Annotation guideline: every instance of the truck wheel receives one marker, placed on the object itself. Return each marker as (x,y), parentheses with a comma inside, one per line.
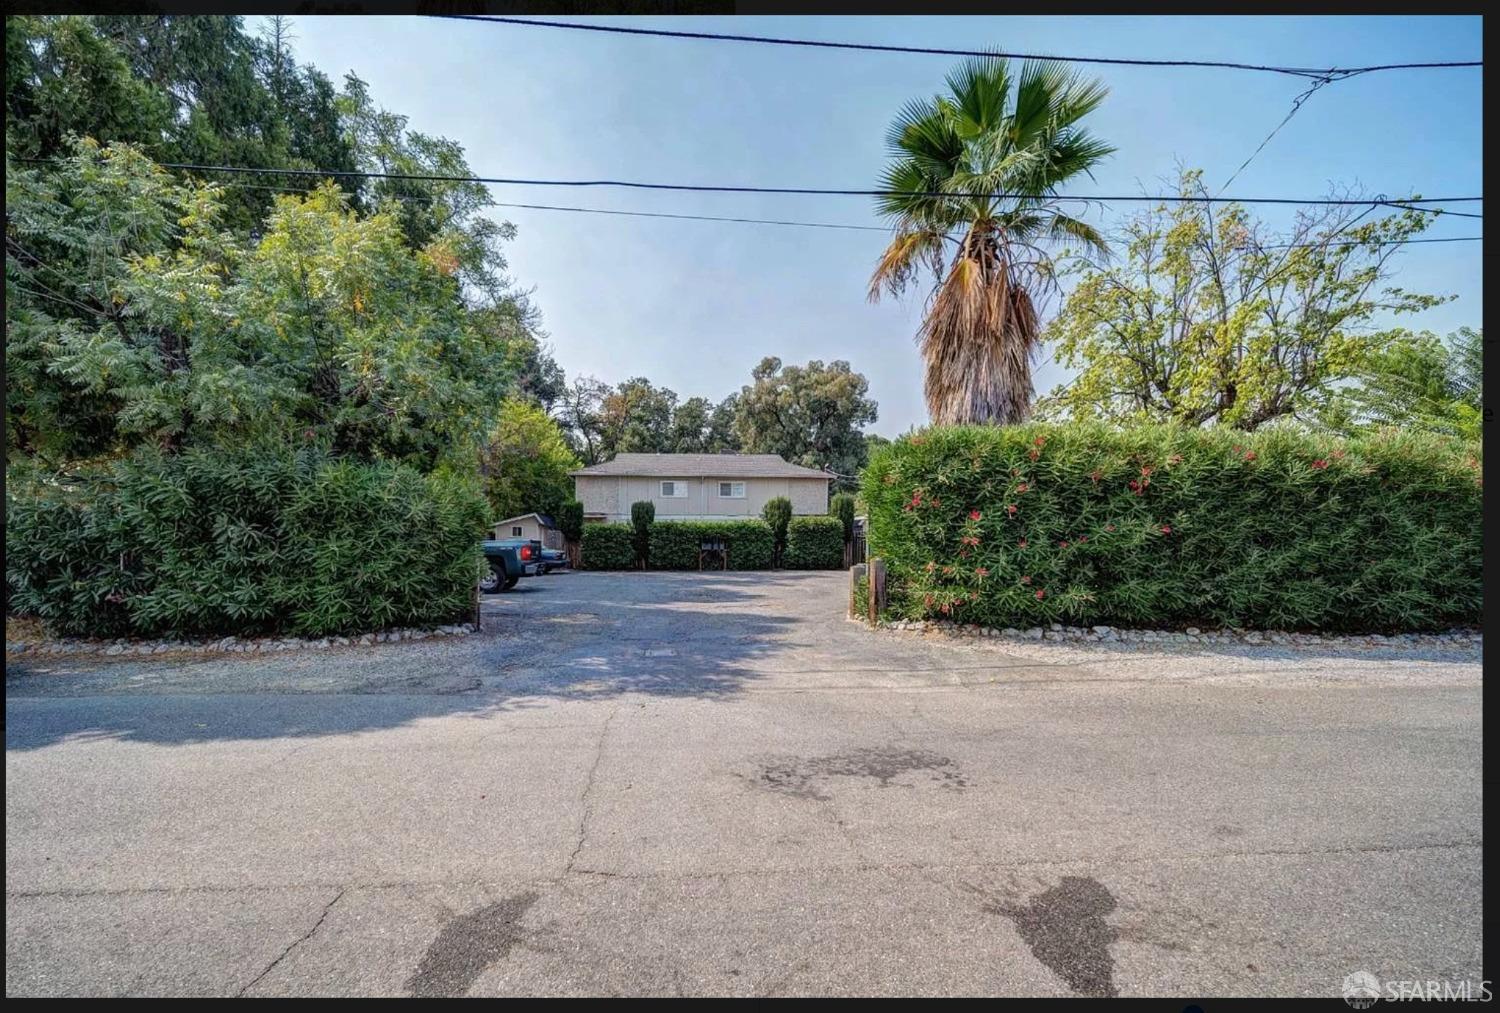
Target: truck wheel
(510,582)
(492,580)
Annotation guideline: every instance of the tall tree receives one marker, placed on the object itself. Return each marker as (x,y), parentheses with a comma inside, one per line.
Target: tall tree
(810,415)
(1416,381)
(721,435)
(1214,318)
(690,426)
(636,418)
(186,88)
(580,413)
(970,189)
(526,462)
(133,318)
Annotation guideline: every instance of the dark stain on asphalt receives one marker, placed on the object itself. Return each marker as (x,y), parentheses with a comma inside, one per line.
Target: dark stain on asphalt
(800,775)
(467,945)
(1065,928)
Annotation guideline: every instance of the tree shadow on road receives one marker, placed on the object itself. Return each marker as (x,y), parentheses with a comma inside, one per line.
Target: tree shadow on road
(558,640)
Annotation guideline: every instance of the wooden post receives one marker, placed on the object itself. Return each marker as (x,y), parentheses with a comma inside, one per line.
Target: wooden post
(877,589)
(856,574)
(478,606)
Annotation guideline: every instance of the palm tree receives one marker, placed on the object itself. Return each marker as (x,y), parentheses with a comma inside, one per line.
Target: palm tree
(977,168)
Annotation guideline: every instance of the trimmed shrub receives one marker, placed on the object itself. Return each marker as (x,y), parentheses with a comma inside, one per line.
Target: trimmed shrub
(778,514)
(675,544)
(608,547)
(570,519)
(244,543)
(1025,525)
(842,507)
(814,543)
(642,514)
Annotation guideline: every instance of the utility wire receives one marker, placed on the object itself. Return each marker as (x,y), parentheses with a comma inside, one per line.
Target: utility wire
(811,225)
(1403,202)
(1330,73)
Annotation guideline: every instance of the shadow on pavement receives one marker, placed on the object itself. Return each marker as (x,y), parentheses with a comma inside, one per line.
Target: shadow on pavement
(564,637)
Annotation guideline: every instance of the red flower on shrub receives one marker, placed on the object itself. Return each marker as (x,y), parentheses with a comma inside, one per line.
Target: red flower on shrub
(1249,455)
(1063,544)
(1134,486)
(1041,593)
(947,571)
(927,601)
(1166,529)
(1096,475)
(1146,471)
(947,608)
(931,567)
(1033,453)
(1319,464)
(969,540)
(1175,459)
(1026,580)
(981,572)
(1109,527)
(934,502)
(1338,455)
(974,515)
(1023,487)
(1021,544)
(1082,539)
(1040,441)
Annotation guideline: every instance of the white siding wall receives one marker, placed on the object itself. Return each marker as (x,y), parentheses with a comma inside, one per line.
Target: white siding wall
(610,496)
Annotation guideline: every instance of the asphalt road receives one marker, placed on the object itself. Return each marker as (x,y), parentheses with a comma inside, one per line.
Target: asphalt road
(714,784)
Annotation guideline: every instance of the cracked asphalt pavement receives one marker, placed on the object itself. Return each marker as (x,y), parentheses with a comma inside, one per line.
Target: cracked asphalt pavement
(714,784)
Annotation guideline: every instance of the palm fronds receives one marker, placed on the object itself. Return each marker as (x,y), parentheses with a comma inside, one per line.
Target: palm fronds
(985,160)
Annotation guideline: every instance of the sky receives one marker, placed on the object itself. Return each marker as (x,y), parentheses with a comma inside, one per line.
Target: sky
(695,305)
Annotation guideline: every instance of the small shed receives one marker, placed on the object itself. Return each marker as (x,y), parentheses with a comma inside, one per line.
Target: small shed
(537,527)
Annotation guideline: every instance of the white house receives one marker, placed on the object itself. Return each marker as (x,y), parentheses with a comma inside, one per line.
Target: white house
(697,486)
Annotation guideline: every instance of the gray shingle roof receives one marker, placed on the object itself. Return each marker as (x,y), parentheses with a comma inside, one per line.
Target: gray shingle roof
(701,466)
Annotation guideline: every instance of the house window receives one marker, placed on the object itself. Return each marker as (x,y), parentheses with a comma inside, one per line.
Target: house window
(731,490)
(515,532)
(674,490)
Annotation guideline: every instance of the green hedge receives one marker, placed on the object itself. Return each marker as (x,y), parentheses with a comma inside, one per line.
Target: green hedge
(814,543)
(608,547)
(1024,525)
(674,544)
(248,543)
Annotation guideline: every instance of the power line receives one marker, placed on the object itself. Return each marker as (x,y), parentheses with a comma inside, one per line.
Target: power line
(813,225)
(1331,73)
(1403,202)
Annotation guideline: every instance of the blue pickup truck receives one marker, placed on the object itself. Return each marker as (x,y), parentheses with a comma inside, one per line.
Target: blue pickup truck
(509,560)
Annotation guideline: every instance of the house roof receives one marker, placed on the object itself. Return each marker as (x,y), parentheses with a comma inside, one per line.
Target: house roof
(542,519)
(701,466)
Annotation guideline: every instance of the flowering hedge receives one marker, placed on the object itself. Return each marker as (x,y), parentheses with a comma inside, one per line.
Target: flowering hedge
(1023,525)
(814,543)
(607,547)
(675,544)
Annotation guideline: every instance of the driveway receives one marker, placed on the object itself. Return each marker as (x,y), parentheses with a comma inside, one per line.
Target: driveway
(688,784)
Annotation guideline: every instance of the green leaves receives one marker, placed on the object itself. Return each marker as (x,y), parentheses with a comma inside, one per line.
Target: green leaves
(1173,525)
(1213,319)
(260,542)
(608,547)
(814,543)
